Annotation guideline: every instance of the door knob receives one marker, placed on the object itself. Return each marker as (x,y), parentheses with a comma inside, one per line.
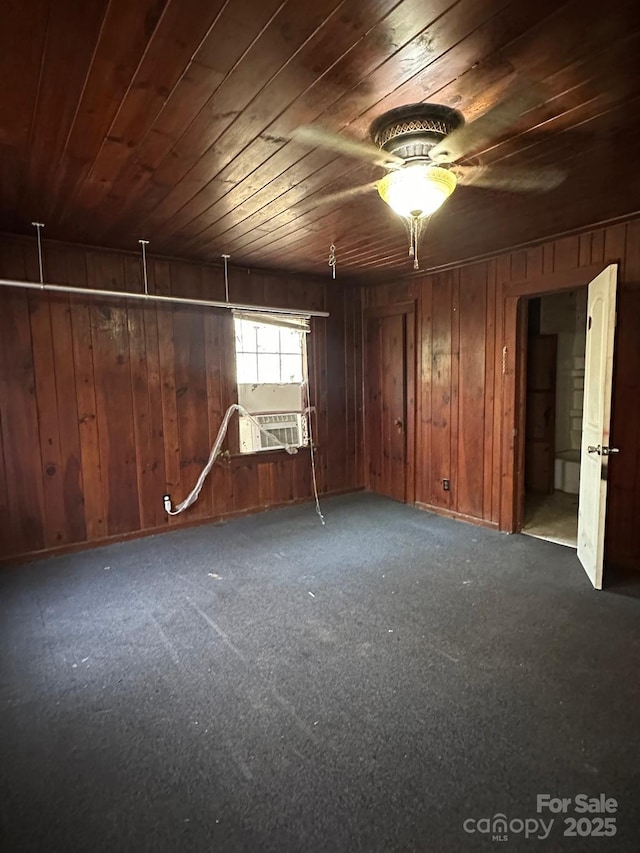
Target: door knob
(607,451)
(592,449)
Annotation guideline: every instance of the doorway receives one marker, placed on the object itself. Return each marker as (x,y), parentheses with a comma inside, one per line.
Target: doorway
(556,343)
(389,370)
(596,447)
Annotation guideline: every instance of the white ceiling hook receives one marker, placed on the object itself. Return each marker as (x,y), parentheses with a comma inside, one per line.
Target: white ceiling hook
(144,244)
(38,226)
(225,258)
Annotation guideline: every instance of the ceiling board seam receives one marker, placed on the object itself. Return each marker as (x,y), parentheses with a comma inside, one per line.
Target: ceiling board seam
(86,77)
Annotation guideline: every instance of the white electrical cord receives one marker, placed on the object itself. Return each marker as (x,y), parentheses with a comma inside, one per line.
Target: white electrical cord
(312,450)
(313,456)
(215,452)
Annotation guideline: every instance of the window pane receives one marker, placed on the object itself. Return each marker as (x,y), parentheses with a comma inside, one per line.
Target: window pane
(268,339)
(291,341)
(291,368)
(246,368)
(269,368)
(245,336)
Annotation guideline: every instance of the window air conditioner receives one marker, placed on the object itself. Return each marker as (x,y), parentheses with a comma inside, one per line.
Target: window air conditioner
(288,428)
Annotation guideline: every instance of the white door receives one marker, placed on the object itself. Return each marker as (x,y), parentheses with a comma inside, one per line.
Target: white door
(594,455)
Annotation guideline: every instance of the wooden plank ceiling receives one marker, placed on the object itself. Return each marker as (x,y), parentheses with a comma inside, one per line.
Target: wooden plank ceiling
(170,119)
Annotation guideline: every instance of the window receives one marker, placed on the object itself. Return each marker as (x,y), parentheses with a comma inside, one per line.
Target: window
(271,372)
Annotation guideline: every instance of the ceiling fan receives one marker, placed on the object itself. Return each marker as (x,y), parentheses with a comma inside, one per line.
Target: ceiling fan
(425,150)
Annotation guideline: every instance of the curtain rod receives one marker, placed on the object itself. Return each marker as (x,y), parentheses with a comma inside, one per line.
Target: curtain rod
(154,297)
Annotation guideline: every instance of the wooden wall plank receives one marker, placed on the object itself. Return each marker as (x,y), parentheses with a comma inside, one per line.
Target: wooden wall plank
(147,408)
(424,394)
(319,388)
(615,246)
(94,505)
(337,403)
(454,458)
(6,544)
(191,396)
(624,470)
(351,309)
(566,253)
(498,279)
(47,405)
(441,378)
(597,245)
(20,428)
(489,397)
(535,260)
(114,410)
(584,250)
(373,404)
(471,394)
(114,407)
(217,487)
(170,431)
(67,404)
(19,415)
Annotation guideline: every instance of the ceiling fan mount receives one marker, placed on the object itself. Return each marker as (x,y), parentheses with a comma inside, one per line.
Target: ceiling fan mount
(411,131)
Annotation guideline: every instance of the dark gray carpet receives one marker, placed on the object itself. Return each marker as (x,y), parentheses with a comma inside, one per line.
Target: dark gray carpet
(272,685)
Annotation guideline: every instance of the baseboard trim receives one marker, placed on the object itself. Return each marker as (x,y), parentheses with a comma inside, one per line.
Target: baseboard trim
(457,516)
(75,547)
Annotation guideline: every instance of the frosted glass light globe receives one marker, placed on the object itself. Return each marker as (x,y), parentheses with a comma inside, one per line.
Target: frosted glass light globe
(417,190)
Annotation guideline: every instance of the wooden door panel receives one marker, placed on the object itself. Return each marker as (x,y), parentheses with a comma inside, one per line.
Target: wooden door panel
(394,406)
(388,368)
(594,459)
(373,404)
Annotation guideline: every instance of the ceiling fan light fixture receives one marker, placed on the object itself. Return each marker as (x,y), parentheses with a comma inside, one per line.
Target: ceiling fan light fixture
(417,190)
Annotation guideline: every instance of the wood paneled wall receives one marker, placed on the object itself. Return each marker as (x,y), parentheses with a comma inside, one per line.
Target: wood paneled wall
(460,382)
(107,404)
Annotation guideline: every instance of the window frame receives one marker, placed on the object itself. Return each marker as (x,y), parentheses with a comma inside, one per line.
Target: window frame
(289,322)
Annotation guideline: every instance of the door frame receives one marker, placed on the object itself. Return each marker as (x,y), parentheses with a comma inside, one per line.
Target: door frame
(515,297)
(407,307)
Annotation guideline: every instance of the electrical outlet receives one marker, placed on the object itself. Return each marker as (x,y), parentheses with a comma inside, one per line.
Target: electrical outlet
(446,485)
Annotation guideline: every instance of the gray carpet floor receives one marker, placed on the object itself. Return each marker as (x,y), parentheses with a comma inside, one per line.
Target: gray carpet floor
(272,685)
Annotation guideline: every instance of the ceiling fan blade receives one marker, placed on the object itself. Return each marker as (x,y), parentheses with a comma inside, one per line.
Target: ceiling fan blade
(477,135)
(511,178)
(344,195)
(319,137)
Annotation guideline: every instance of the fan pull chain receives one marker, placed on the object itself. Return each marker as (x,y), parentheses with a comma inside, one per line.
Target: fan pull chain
(414,234)
(332,260)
